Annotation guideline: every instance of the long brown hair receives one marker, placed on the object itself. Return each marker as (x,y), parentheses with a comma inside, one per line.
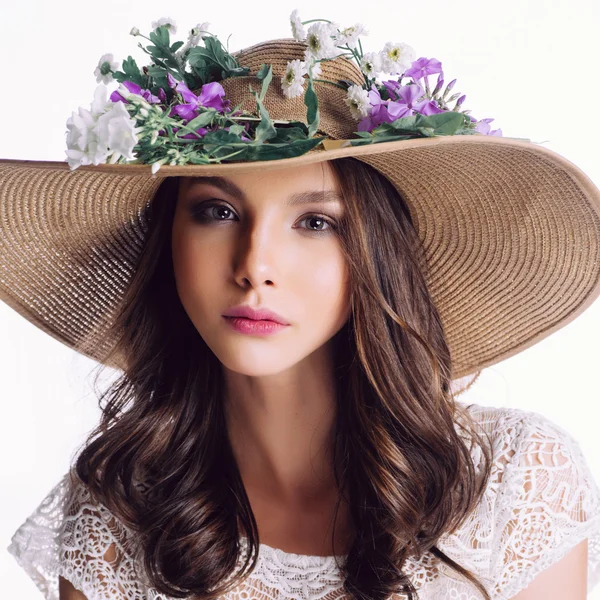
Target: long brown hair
(403,446)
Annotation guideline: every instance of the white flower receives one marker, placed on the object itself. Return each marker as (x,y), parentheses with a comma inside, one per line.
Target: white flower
(358,101)
(134,31)
(370,64)
(319,40)
(292,83)
(298,30)
(396,58)
(168,22)
(117,131)
(95,135)
(350,35)
(100,104)
(79,128)
(106,64)
(310,62)
(198,32)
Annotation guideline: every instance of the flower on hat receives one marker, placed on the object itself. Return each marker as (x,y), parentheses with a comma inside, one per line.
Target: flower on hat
(358,101)
(298,30)
(174,110)
(396,58)
(483,127)
(370,64)
(104,132)
(165,22)
(350,35)
(292,83)
(422,67)
(320,41)
(197,33)
(106,66)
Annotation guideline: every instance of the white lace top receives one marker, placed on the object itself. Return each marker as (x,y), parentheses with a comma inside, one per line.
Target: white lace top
(541,501)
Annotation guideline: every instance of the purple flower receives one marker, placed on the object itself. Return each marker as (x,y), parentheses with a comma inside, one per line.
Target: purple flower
(380,111)
(403,104)
(134,88)
(211,96)
(407,96)
(483,127)
(423,67)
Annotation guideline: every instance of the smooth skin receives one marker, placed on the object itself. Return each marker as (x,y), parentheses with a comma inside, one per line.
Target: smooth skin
(257,248)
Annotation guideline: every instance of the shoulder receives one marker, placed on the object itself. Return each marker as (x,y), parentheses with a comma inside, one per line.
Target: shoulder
(70,537)
(540,502)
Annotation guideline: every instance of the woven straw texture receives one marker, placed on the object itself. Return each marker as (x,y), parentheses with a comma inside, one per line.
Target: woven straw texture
(334,113)
(511,230)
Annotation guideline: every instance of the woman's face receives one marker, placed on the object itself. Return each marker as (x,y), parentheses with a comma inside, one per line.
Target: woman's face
(242,240)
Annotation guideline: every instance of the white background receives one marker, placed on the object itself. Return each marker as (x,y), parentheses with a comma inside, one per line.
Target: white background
(530,64)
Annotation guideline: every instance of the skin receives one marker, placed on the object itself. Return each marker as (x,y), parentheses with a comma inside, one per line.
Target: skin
(280,391)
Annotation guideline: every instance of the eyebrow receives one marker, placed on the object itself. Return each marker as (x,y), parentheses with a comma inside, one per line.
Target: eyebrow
(299,198)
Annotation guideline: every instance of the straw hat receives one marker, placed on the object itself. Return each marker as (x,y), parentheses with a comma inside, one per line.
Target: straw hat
(511,230)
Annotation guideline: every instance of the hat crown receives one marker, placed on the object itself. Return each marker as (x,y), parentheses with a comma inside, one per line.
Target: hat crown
(336,121)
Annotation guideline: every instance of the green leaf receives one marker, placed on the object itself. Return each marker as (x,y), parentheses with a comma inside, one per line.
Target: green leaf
(277,151)
(159,75)
(446,123)
(299,124)
(237,129)
(199,159)
(131,72)
(176,46)
(160,36)
(266,82)
(262,72)
(380,139)
(204,118)
(312,114)
(265,130)
(213,62)
(270,151)
(238,72)
(289,134)
(219,138)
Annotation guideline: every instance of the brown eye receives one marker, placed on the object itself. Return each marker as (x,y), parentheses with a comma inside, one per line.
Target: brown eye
(207,212)
(322,221)
(203,212)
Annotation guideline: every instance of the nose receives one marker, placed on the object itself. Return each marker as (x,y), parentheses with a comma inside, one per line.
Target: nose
(258,254)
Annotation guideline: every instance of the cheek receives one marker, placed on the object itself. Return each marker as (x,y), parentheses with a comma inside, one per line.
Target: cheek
(193,266)
(324,284)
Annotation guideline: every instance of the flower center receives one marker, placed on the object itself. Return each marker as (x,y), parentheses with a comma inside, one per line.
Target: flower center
(313,42)
(394,54)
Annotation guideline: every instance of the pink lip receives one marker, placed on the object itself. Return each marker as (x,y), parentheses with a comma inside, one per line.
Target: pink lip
(252,327)
(256,314)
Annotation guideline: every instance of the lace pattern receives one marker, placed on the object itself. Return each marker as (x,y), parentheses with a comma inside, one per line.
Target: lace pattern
(540,502)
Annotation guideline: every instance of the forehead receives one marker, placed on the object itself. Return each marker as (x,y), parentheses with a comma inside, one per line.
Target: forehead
(308,183)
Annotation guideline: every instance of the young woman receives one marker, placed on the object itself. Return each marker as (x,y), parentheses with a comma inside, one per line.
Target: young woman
(292,334)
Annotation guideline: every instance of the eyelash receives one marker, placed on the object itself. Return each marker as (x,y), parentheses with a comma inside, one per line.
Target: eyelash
(199,208)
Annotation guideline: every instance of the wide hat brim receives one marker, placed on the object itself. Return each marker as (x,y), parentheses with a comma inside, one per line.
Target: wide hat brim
(510,230)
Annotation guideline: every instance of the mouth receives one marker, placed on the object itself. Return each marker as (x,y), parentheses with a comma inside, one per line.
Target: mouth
(254,326)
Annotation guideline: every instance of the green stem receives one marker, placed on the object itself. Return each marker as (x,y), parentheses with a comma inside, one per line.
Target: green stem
(226,156)
(161,63)
(330,83)
(428,91)
(315,20)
